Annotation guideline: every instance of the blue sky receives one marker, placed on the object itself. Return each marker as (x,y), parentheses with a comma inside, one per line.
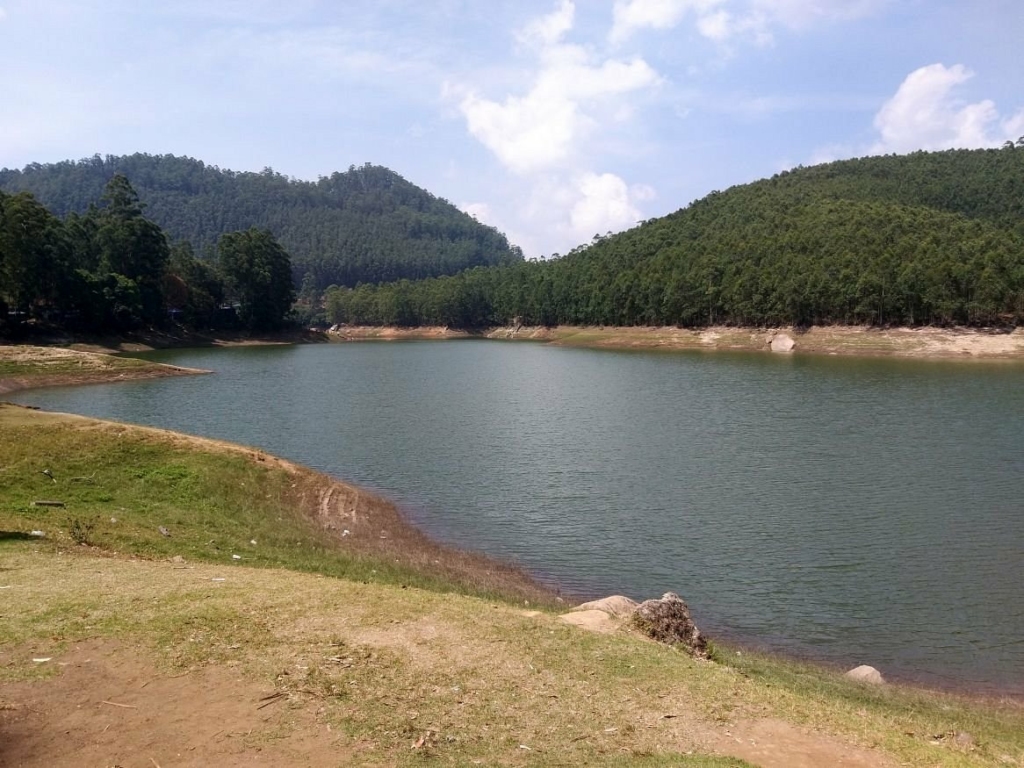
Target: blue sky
(552,120)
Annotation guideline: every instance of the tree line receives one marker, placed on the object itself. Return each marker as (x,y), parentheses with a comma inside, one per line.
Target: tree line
(112,269)
(921,239)
(363,225)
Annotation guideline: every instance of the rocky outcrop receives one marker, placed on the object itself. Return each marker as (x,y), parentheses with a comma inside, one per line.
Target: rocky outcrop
(866,674)
(668,621)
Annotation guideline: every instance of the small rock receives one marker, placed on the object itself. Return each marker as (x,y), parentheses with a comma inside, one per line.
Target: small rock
(782,342)
(668,621)
(178,559)
(615,605)
(866,674)
(38,534)
(163,531)
(236,557)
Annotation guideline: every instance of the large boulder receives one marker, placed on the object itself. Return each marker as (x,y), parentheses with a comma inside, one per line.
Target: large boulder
(668,621)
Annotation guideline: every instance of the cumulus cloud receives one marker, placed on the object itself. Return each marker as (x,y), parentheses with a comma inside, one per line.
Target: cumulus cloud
(549,29)
(539,129)
(548,134)
(926,113)
(604,204)
(630,16)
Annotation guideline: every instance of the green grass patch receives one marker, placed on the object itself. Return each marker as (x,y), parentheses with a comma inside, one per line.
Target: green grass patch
(133,491)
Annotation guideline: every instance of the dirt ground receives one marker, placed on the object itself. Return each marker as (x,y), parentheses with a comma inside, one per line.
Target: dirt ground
(109,706)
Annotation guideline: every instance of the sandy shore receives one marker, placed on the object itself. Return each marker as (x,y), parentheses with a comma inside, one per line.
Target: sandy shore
(934,343)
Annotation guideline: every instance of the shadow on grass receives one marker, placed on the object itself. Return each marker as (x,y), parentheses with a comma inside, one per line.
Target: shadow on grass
(6,536)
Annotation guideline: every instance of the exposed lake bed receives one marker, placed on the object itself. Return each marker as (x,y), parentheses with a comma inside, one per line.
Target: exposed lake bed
(851,511)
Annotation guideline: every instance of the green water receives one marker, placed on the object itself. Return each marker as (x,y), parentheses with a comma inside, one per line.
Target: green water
(854,511)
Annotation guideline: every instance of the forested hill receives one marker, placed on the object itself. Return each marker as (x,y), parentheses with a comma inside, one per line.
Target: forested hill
(926,238)
(367,224)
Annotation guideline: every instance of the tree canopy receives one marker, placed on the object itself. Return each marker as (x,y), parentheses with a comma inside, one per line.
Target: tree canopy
(110,269)
(366,224)
(927,238)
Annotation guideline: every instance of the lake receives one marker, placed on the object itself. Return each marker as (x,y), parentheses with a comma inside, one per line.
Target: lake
(853,511)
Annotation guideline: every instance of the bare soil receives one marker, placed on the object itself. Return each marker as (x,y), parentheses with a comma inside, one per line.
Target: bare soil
(111,706)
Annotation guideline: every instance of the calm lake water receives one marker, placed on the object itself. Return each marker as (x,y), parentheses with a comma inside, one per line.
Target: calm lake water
(852,511)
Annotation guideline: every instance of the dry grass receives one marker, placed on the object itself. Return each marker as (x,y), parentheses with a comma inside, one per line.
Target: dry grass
(467,679)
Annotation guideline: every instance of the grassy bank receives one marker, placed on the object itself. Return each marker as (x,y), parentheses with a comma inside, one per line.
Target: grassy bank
(403,651)
(159,494)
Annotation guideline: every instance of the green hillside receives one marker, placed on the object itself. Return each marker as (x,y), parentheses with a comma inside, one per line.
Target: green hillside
(367,224)
(921,239)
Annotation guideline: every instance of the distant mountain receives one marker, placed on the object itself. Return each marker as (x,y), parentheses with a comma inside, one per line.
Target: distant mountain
(367,224)
(926,238)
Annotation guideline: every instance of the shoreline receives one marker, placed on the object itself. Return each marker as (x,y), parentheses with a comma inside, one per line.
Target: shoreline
(29,367)
(334,496)
(923,343)
(965,344)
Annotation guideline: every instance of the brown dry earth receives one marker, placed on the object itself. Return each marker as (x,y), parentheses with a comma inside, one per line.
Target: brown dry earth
(110,707)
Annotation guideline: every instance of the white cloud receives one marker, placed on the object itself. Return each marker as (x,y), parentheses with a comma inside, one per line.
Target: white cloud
(722,20)
(715,26)
(926,113)
(604,204)
(541,129)
(479,211)
(630,16)
(802,13)
(549,29)
(3,13)
(550,133)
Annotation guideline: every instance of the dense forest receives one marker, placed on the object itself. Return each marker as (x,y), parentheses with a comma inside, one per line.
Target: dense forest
(111,269)
(920,239)
(366,225)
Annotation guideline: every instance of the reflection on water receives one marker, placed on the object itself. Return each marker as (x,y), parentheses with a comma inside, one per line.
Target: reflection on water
(858,511)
